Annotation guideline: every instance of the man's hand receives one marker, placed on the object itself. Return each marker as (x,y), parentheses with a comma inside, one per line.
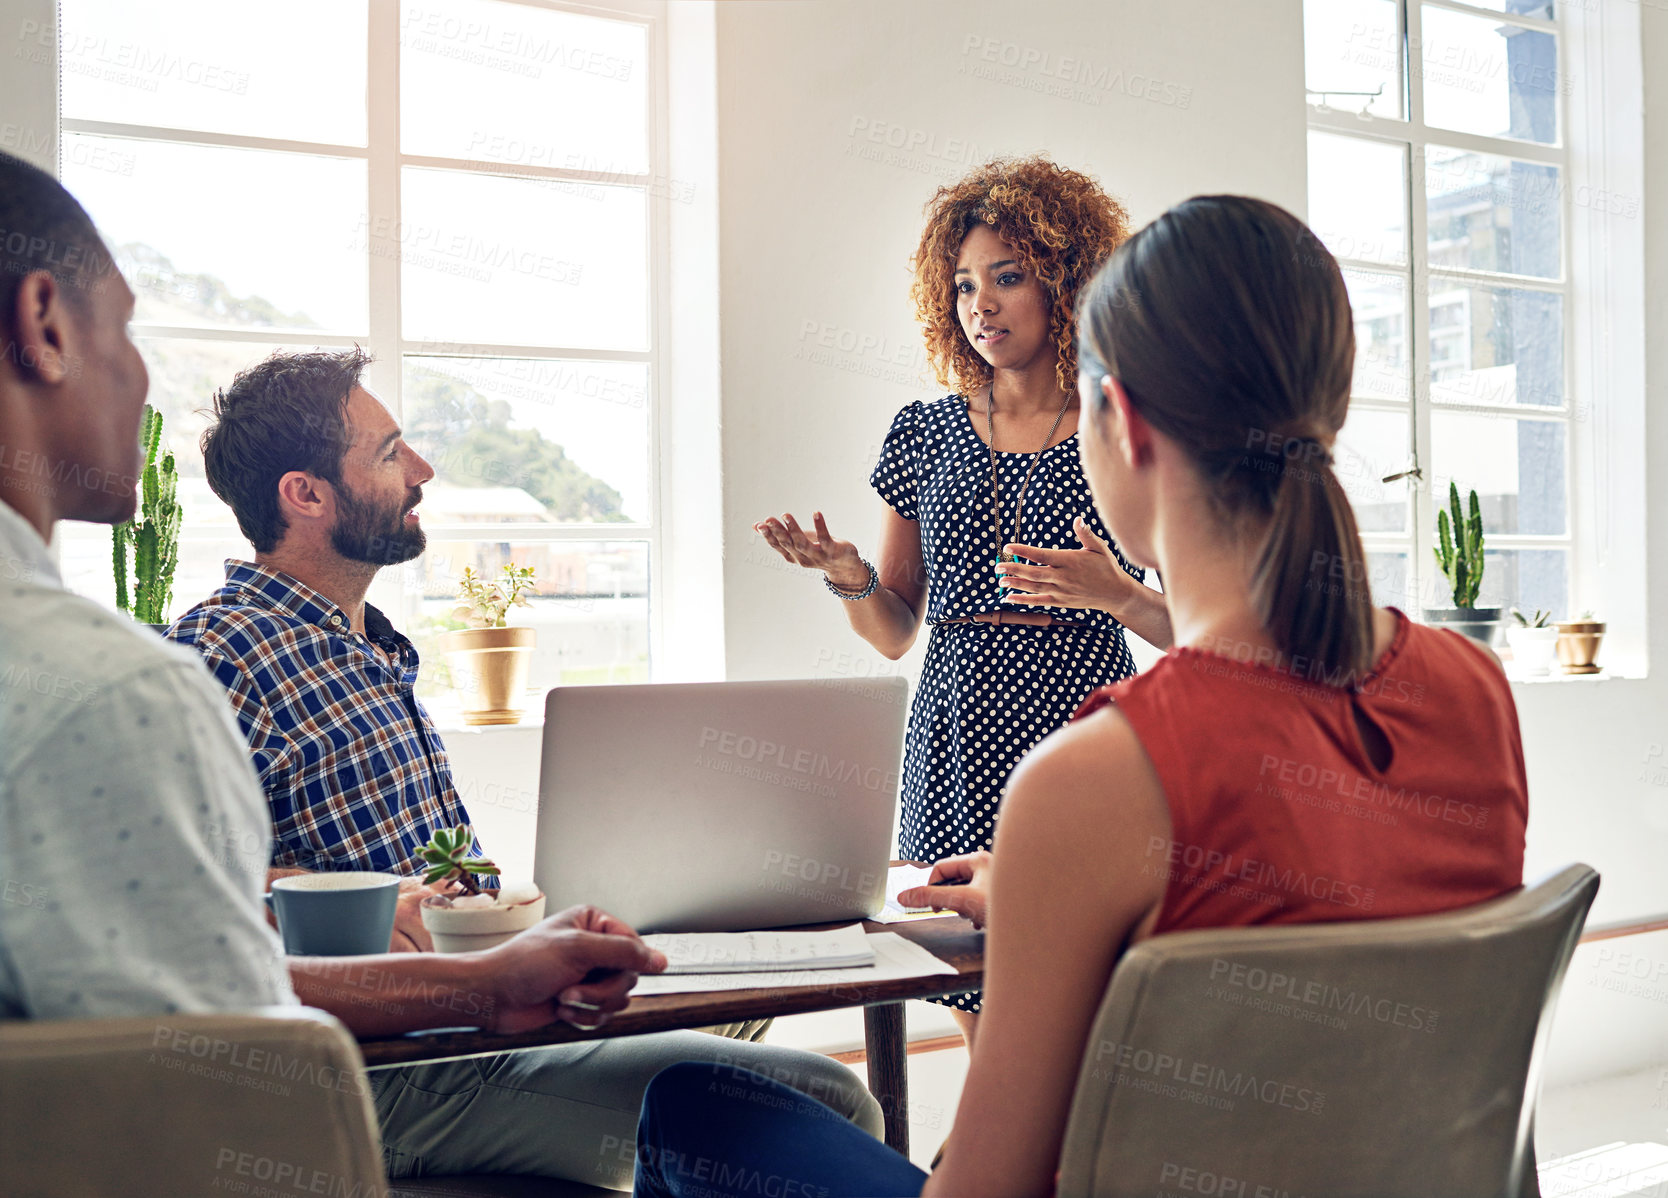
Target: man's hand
(577,966)
(970,901)
(409,934)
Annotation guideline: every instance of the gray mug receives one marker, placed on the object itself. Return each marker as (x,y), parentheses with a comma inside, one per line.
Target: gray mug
(344,914)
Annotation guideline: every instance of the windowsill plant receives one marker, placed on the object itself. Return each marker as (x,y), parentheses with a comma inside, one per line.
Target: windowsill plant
(1578,643)
(1534,642)
(489,660)
(1459,551)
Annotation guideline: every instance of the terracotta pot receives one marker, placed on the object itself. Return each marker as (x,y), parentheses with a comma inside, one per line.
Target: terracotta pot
(489,671)
(1478,623)
(465,930)
(1578,645)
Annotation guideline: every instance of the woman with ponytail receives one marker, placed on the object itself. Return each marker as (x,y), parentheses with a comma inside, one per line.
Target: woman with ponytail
(1299,757)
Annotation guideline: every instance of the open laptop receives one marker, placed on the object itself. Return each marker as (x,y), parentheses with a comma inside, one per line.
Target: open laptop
(718,807)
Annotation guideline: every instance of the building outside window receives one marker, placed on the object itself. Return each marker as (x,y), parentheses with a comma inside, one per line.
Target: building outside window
(1438,175)
(473,191)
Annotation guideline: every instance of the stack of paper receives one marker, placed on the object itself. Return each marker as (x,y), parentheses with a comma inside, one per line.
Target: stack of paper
(898,879)
(894,958)
(762,952)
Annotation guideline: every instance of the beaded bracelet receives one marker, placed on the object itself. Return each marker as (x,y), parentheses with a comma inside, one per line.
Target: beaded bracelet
(854,596)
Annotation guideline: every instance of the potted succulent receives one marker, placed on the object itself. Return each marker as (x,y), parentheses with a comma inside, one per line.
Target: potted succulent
(1533,640)
(1578,643)
(1459,551)
(146,549)
(489,660)
(476,918)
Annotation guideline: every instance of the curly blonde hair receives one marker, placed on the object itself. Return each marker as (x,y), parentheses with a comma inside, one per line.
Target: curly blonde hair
(1061,225)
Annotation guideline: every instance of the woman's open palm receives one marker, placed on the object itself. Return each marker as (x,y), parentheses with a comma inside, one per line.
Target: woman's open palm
(821,551)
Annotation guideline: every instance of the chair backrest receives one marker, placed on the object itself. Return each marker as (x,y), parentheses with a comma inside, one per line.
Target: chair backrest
(1357,1059)
(271,1102)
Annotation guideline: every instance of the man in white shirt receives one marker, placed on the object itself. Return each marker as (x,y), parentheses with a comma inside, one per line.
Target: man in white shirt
(120,764)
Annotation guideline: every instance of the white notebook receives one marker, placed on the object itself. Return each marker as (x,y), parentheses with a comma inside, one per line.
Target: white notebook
(762,952)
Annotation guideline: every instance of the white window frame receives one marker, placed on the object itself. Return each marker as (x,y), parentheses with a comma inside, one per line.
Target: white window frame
(1429,492)
(384,339)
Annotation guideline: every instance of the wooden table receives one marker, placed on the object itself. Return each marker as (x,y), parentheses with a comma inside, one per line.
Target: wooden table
(950,938)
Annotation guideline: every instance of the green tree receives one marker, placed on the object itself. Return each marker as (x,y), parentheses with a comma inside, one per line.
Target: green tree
(473,445)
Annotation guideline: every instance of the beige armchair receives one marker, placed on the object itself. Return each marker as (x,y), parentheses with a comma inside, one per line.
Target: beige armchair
(269,1103)
(1355,1060)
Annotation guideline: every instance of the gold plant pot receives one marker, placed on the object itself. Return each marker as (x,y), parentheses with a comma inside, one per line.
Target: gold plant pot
(1578,645)
(489,671)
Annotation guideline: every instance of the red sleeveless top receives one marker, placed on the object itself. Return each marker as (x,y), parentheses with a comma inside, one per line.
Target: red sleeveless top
(1278,813)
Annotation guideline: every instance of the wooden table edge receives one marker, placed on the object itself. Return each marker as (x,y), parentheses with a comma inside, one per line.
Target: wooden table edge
(672,1012)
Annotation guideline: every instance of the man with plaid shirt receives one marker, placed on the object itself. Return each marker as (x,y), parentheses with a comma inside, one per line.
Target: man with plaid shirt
(323,687)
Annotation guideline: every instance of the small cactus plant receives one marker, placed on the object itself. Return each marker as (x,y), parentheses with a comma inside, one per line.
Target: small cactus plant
(1538,620)
(447,859)
(1459,549)
(150,542)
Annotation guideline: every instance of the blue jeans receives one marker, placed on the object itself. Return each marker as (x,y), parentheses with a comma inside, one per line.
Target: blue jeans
(712,1132)
(569,1111)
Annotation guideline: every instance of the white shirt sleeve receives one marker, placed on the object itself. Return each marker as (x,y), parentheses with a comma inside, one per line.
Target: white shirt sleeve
(134,843)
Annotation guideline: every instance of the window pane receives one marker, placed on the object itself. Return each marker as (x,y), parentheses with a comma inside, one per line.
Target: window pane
(591,609)
(1387,574)
(1352,47)
(500,82)
(1496,345)
(184,376)
(1544,9)
(1515,466)
(214,237)
(522,261)
(1358,198)
(1379,302)
(1483,76)
(1485,212)
(523,440)
(205,544)
(1370,446)
(1527,579)
(220,67)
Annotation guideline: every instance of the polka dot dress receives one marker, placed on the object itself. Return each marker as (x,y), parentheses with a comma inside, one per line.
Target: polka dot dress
(988,693)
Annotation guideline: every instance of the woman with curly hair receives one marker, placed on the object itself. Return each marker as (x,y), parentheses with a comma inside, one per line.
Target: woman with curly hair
(990,533)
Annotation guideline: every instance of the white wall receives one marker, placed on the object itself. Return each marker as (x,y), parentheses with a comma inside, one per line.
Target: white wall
(29,81)
(836,123)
